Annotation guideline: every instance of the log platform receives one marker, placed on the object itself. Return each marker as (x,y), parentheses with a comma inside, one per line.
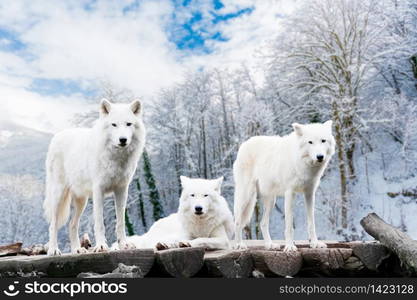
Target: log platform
(345,259)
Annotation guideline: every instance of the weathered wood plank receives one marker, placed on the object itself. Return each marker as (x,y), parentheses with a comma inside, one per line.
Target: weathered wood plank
(70,265)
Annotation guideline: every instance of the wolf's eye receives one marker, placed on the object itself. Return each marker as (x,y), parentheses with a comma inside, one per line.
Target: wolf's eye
(114,124)
(192,195)
(323,141)
(205,195)
(310,142)
(128,124)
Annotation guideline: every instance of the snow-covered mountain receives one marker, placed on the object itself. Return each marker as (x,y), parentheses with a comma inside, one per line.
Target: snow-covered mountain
(22,150)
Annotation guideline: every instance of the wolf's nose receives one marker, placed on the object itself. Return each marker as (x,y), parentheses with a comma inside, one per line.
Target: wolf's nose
(320,157)
(198,209)
(123,141)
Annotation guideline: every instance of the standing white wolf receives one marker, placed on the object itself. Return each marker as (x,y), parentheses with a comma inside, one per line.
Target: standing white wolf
(270,166)
(85,162)
(203,219)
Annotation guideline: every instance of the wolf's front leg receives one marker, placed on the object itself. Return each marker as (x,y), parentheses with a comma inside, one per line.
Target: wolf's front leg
(210,243)
(99,230)
(268,204)
(289,228)
(218,240)
(120,199)
(309,197)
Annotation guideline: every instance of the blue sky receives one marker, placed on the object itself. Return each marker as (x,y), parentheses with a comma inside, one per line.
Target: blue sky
(192,36)
(63,50)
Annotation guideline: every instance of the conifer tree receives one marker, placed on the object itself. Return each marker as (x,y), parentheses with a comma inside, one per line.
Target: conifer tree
(128,224)
(153,191)
(141,208)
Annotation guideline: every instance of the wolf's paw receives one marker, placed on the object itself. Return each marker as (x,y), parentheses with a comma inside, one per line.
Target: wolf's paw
(272,246)
(161,246)
(53,251)
(101,247)
(240,246)
(290,247)
(184,245)
(317,244)
(124,245)
(79,250)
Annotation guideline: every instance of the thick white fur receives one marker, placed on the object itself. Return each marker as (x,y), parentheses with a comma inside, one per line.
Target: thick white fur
(211,229)
(91,162)
(270,166)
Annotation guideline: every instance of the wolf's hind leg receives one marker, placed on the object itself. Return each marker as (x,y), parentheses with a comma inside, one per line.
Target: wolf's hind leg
(245,200)
(56,202)
(79,204)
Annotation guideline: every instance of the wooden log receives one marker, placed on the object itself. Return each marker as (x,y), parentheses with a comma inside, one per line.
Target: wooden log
(179,262)
(260,244)
(394,239)
(12,249)
(371,254)
(122,271)
(70,265)
(272,263)
(354,264)
(325,261)
(228,264)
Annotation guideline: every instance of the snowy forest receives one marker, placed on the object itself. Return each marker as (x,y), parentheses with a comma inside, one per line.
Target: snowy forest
(354,62)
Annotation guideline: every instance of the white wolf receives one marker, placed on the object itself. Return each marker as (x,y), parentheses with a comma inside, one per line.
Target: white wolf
(270,166)
(203,219)
(85,162)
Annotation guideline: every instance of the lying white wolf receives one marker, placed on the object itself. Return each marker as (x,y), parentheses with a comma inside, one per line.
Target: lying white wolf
(85,162)
(203,219)
(270,166)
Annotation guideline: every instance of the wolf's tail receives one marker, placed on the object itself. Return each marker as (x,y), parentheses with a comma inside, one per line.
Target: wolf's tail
(245,194)
(57,196)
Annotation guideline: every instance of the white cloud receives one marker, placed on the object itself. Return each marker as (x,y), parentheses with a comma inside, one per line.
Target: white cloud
(130,49)
(42,113)
(247,33)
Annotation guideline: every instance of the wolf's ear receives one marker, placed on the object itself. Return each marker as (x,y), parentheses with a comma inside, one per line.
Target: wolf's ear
(184,180)
(136,107)
(218,184)
(328,123)
(298,128)
(105,107)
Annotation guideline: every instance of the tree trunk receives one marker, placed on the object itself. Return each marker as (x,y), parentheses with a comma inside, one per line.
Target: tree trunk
(204,154)
(341,165)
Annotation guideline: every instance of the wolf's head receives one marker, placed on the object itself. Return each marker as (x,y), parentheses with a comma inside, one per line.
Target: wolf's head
(120,121)
(199,196)
(316,143)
